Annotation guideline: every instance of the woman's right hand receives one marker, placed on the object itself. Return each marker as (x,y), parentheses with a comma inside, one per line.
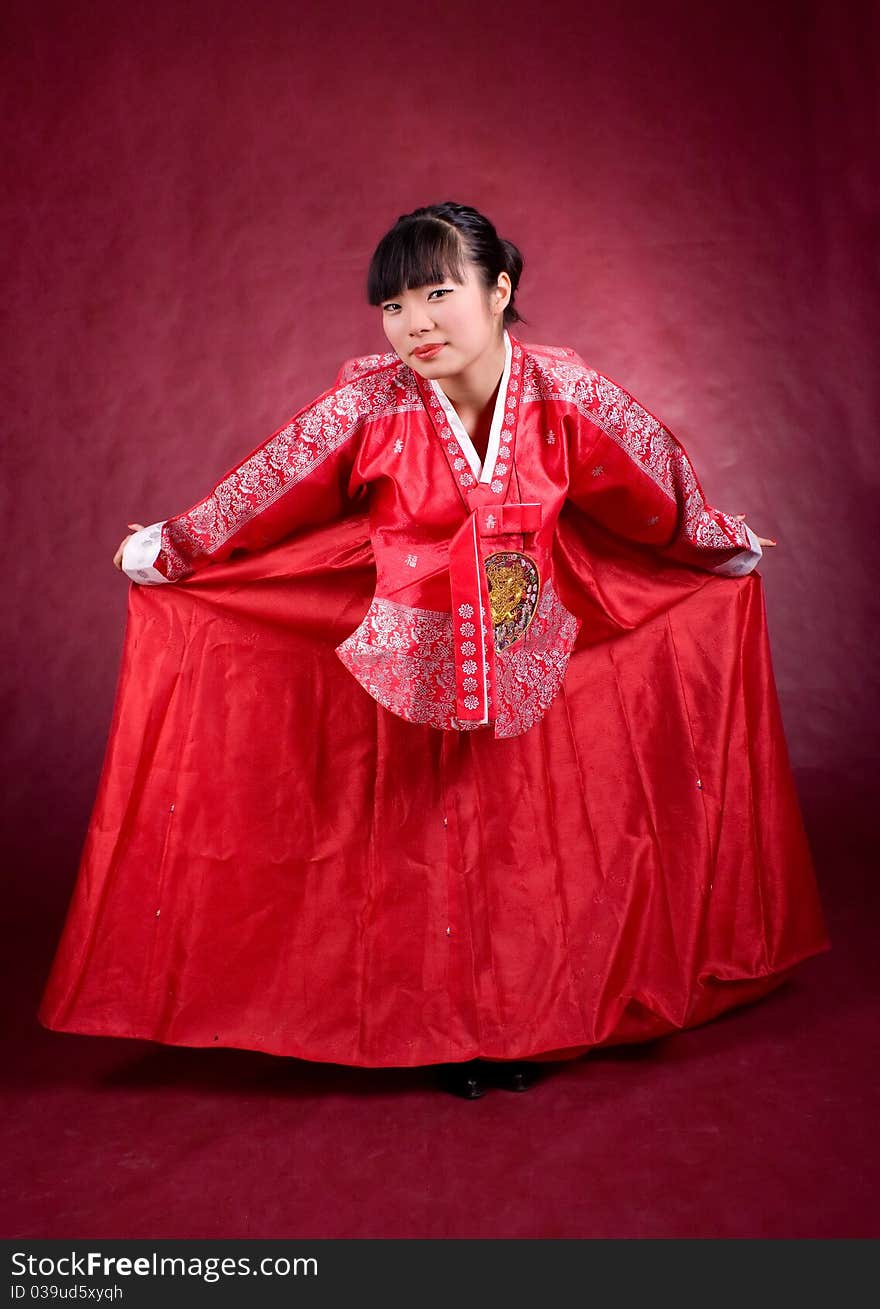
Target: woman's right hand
(117,558)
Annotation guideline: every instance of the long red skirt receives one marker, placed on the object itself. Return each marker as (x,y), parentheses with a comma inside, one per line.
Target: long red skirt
(275,862)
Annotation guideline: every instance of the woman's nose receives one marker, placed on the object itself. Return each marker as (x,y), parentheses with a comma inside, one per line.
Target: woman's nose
(420,321)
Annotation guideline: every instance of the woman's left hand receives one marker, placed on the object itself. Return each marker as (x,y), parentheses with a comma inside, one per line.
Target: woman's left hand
(762,540)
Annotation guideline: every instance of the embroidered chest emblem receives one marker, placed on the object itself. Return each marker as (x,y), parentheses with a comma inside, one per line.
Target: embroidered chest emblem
(514,588)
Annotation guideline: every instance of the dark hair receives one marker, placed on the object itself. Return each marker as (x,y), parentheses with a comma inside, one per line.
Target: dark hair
(432,244)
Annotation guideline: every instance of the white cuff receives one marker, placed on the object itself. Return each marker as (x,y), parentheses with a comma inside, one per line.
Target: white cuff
(745,561)
(140,552)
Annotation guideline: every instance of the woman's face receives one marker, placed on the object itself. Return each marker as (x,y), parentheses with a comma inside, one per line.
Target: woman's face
(460,316)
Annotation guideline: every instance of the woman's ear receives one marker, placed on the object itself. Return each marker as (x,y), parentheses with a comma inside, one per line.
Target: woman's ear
(502,292)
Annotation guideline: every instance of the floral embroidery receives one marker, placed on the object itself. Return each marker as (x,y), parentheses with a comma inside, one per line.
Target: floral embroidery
(403,656)
(364,364)
(530,673)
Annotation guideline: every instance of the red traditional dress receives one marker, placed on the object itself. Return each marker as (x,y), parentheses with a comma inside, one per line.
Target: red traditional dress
(422,759)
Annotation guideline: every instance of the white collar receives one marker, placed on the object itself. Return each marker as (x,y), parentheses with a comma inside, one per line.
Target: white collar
(468,448)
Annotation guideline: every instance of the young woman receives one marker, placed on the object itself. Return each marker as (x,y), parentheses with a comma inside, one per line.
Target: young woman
(456,740)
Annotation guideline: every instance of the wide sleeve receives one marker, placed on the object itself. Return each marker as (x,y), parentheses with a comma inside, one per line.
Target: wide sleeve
(301,475)
(631,474)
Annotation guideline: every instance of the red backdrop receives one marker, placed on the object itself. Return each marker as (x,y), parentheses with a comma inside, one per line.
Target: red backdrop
(193,194)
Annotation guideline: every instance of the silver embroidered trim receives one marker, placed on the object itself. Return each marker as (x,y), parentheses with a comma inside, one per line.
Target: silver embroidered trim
(403,656)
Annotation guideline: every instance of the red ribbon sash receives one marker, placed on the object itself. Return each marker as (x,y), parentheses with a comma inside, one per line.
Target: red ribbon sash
(473,637)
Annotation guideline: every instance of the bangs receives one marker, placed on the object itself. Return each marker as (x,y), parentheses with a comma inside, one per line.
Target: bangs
(415,253)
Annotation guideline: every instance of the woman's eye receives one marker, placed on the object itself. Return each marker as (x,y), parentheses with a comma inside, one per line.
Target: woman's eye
(440,290)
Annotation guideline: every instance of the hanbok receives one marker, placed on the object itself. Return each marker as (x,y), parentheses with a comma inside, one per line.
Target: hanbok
(418,758)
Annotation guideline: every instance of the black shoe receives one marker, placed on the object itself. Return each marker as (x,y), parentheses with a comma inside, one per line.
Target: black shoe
(465,1080)
(510,1074)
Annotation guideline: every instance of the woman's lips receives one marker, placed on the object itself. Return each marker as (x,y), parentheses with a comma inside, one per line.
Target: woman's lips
(428,351)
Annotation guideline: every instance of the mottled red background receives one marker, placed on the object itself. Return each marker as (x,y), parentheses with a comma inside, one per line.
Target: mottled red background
(192,194)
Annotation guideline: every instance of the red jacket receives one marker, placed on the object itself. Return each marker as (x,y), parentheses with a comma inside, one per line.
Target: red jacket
(466,627)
